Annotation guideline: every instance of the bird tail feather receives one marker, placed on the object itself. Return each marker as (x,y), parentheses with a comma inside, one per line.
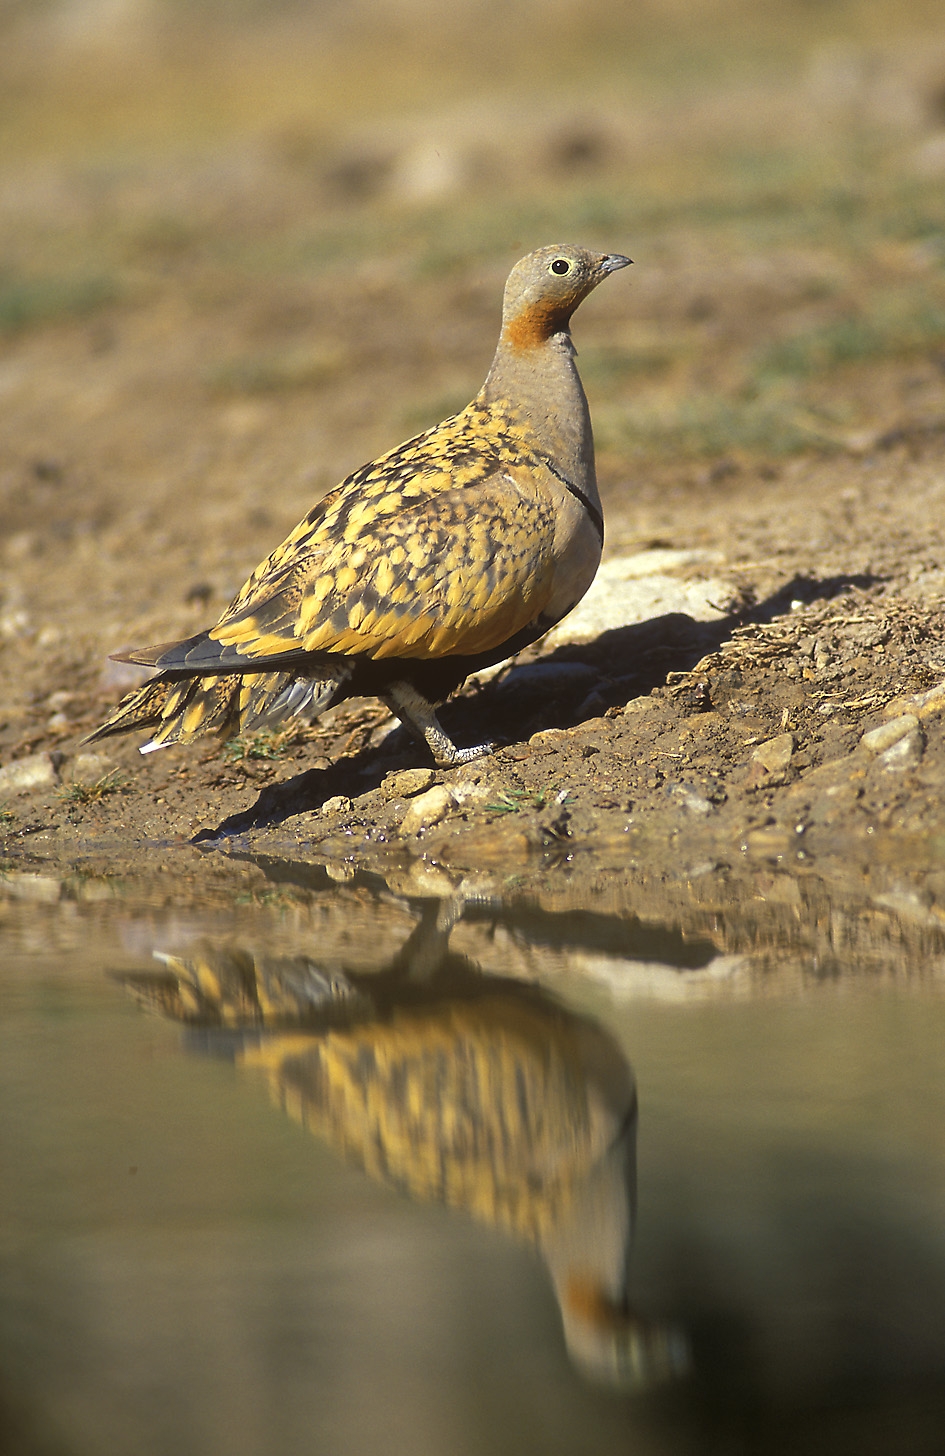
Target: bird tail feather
(179,710)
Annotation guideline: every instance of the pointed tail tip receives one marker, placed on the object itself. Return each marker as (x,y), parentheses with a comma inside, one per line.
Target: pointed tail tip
(153,656)
(140,656)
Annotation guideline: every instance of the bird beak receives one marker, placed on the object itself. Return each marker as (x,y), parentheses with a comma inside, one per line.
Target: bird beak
(612,261)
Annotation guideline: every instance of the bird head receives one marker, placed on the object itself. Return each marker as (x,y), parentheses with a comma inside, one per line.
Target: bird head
(545,287)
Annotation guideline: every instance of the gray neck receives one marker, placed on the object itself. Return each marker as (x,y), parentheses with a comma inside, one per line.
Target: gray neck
(542,387)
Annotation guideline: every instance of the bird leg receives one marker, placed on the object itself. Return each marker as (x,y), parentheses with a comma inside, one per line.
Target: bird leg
(418,717)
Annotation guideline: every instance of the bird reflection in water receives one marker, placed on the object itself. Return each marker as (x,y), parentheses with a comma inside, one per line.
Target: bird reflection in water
(478,1092)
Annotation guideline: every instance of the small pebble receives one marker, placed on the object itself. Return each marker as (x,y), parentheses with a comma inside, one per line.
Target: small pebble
(548,738)
(688,796)
(877,740)
(931,702)
(427,810)
(904,754)
(590,726)
(337,805)
(427,879)
(407,782)
(923,704)
(775,754)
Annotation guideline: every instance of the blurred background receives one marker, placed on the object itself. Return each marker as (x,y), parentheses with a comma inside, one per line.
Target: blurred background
(290,211)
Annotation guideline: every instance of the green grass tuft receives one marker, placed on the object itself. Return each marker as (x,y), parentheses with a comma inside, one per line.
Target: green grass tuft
(266,744)
(513,801)
(110,783)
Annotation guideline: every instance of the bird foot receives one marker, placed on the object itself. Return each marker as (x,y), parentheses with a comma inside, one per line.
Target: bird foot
(453,756)
(418,716)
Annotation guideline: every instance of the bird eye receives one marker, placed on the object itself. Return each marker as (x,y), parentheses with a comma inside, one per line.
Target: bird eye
(561,265)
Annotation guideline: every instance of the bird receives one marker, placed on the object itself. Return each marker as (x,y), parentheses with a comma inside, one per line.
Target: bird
(446,555)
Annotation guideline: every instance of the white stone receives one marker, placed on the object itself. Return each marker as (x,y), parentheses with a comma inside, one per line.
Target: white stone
(632,589)
(904,754)
(25,775)
(909,906)
(877,740)
(924,705)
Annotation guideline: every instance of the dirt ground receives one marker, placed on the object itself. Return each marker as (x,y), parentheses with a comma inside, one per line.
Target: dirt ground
(756,725)
(161,437)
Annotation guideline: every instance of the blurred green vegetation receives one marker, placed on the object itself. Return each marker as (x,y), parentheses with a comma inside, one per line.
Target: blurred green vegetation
(896,326)
(779,161)
(273,373)
(28,301)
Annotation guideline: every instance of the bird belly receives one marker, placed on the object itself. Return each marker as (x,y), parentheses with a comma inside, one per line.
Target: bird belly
(577,557)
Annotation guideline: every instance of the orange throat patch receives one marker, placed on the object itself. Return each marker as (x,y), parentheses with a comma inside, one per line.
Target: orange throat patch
(533,326)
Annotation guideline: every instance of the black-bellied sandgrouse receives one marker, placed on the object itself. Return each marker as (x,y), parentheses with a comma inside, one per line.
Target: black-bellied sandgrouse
(442,557)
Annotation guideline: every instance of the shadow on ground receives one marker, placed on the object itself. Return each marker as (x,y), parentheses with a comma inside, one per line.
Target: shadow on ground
(570,685)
